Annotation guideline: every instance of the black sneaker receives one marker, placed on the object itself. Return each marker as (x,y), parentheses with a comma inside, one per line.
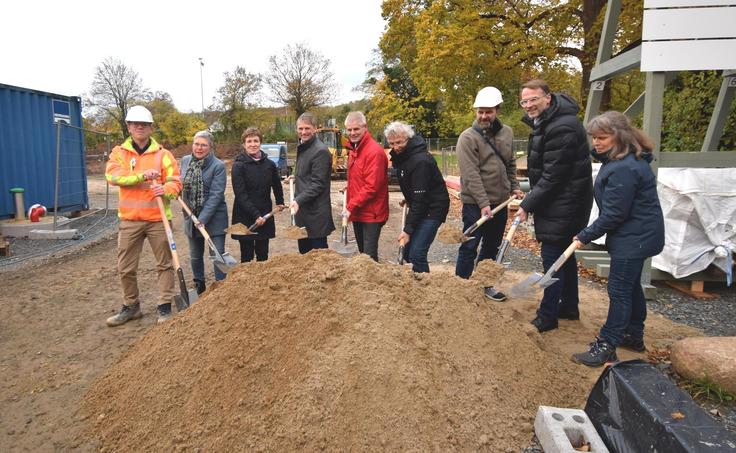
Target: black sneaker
(571,315)
(599,353)
(632,344)
(544,324)
(127,313)
(164,313)
(494,294)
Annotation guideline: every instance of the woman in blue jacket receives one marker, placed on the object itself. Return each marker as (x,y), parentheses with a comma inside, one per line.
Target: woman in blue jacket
(625,192)
(203,190)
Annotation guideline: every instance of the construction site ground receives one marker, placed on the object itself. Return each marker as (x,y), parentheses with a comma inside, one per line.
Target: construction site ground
(56,346)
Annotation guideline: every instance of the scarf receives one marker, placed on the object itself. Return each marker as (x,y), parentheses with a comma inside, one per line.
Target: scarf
(193,185)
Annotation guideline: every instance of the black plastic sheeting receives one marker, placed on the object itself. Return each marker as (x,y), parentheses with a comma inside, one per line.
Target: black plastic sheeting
(632,407)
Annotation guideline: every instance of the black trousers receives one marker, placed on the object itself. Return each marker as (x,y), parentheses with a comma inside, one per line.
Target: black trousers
(249,246)
(366,235)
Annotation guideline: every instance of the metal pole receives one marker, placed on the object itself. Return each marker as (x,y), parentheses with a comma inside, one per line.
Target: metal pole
(56,182)
(107,184)
(201,82)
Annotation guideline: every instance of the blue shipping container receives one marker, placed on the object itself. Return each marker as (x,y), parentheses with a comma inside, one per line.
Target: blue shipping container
(28,150)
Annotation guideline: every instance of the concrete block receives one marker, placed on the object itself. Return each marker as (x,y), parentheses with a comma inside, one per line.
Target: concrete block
(592,261)
(602,270)
(51,234)
(563,430)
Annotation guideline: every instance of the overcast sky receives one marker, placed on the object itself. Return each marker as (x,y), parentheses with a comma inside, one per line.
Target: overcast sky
(55,46)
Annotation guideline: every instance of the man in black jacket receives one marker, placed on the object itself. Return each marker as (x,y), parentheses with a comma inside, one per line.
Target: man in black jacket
(312,204)
(559,169)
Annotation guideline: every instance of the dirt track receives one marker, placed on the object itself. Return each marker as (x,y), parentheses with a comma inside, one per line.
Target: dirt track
(55,343)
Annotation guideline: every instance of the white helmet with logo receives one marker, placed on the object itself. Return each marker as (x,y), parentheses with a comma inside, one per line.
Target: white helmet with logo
(488,97)
(139,114)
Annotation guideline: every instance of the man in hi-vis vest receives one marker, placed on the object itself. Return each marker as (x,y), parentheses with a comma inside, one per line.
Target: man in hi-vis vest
(143,170)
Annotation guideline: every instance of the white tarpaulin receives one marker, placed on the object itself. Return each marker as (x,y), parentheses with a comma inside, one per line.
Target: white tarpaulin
(699,206)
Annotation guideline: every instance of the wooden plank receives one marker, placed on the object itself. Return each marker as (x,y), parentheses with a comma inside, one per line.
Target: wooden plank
(692,289)
(705,54)
(617,65)
(684,3)
(689,23)
(720,159)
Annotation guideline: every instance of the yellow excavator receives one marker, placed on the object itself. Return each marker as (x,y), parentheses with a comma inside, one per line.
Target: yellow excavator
(333,138)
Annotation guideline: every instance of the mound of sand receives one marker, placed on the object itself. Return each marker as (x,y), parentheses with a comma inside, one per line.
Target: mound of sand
(324,352)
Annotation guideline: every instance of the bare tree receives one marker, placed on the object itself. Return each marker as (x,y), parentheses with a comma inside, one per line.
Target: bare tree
(300,78)
(114,88)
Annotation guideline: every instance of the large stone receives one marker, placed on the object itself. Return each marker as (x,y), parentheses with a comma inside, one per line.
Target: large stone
(714,357)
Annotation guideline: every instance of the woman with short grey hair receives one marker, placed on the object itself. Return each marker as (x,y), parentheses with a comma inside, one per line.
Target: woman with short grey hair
(424,191)
(203,190)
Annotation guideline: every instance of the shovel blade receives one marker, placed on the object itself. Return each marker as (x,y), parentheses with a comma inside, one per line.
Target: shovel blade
(524,287)
(182,304)
(547,281)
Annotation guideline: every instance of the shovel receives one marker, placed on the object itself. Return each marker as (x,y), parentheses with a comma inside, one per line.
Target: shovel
(525,286)
(185,298)
(297,232)
(251,229)
(223,261)
(483,219)
(400,259)
(507,240)
(344,249)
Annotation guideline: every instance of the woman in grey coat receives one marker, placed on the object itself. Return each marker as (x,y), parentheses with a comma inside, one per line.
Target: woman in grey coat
(312,203)
(203,189)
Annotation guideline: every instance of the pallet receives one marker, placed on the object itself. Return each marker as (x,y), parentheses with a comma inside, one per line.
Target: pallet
(694,289)
(4,247)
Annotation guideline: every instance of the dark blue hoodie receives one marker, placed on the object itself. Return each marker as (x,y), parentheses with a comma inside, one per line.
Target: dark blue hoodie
(625,192)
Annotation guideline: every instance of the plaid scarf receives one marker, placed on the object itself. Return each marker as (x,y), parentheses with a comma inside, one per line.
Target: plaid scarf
(193,185)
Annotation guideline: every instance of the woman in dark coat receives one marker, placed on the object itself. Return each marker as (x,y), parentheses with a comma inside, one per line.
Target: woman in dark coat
(424,190)
(254,176)
(630,216)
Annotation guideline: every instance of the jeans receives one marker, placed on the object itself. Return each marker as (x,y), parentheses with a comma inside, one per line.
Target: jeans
(307,244)
(562,296)
(250,247)
(366,235)
(415,252)
(489,235)
(627,308)
(196,255)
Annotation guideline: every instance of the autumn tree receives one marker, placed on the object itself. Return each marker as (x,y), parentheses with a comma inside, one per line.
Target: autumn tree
(237,100)
(115,87)
(448,50)
(300,78)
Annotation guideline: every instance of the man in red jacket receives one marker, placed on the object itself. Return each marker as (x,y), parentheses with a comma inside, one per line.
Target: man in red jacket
(367,201)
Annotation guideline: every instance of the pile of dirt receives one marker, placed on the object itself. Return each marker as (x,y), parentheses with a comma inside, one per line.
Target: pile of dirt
(318,351)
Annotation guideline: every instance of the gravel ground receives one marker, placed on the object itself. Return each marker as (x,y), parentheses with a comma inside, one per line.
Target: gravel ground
(91,227)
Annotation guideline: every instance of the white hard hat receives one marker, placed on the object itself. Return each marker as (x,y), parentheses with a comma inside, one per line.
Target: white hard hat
(139,114)
(488,97)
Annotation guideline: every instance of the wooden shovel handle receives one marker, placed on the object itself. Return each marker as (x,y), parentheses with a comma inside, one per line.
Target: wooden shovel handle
(169,234)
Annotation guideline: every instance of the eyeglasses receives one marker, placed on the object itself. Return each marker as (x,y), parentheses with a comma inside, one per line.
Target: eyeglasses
(201,145)
(533,100)
(138,124)
(397,142)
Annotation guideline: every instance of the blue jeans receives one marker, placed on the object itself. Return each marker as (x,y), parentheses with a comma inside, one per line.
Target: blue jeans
(562,296)
(627,308)
(489,236)
(196,256)
(307,244)
(415,252)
